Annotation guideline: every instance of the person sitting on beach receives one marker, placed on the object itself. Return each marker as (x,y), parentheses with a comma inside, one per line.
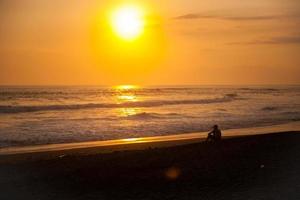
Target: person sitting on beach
(214,135)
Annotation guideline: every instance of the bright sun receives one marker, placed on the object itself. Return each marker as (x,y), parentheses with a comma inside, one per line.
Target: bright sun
(127,22)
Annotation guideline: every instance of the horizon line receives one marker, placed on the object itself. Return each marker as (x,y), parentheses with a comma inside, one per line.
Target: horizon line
(146,85)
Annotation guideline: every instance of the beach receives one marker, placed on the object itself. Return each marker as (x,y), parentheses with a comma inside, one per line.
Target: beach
(149,100)
(149,143)
(264,166)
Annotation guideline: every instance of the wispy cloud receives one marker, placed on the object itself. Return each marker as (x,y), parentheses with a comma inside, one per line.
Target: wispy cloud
(195,16)
(274,40)
(192,16)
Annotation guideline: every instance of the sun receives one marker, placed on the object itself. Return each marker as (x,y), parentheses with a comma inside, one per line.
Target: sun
(127,22)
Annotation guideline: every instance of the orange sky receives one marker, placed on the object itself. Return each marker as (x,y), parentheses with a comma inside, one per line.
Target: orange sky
(66,42)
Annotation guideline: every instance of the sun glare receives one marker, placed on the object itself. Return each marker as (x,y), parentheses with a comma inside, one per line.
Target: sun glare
(127,22)
(126,87)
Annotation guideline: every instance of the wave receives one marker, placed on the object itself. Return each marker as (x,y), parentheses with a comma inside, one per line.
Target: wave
(269,108)
(260,89)
(145,115)
(232,95)
(58,107)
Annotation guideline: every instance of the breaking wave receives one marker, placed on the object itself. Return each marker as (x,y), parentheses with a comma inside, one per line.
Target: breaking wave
(269,108)
(58,107)
(146,115)
(260,90)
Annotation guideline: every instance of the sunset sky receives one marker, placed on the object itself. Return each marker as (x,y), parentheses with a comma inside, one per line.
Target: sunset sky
(67,42)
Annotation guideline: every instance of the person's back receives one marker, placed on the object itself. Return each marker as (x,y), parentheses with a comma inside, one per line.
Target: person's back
(215,134)
(218,134)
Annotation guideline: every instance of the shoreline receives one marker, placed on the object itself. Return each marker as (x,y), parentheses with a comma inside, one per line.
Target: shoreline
(110,146)
(264,166)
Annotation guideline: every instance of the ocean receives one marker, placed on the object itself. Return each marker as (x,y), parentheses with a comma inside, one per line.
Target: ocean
(48,115)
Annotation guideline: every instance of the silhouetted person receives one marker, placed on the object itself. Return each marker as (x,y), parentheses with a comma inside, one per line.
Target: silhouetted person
(215,135)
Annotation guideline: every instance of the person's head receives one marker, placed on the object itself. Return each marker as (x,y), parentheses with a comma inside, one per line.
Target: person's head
(215,127)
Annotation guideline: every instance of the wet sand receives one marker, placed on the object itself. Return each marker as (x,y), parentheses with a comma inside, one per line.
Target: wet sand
(248,167)
(108,146)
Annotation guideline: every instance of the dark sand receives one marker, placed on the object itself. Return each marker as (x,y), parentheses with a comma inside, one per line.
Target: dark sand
(250,167)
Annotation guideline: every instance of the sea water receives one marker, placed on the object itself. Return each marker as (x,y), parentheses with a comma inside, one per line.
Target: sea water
(45,115)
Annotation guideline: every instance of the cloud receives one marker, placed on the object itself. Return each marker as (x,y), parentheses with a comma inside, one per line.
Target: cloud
(250,18)
(192,16)
(195,16)
(274,40)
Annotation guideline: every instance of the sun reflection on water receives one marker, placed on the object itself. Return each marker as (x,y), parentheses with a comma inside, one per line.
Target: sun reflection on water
(128,111)
(131,139)
(126,94)
(127,97)
(126,87)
